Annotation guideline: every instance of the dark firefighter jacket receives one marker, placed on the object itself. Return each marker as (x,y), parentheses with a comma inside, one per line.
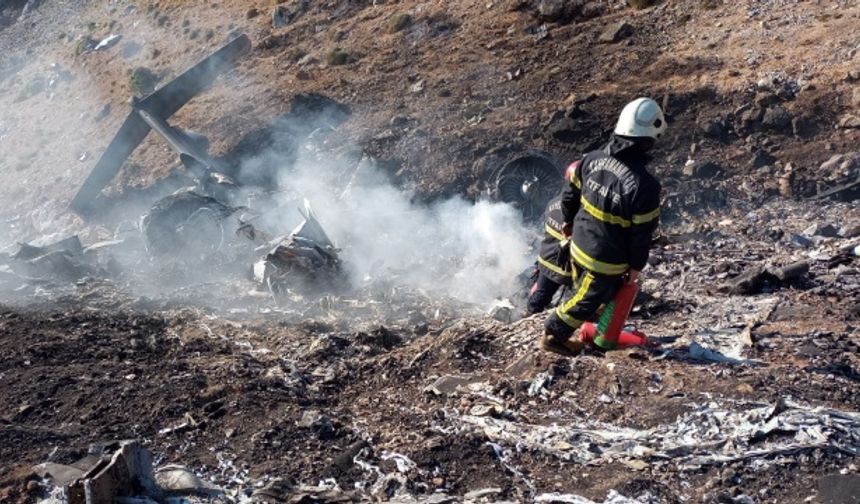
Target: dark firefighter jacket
(614,204)
(553,260)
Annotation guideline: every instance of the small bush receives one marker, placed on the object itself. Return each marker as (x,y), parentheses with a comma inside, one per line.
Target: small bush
(337,57)
(142,81)
(641,4)
(399,22)
(83,45)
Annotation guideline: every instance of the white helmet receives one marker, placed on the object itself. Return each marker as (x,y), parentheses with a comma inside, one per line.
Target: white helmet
(641,118)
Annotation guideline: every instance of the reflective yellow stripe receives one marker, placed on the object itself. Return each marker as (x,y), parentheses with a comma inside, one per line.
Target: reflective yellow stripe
(593,264)
(646,217)
(603,216)
(568,320)
(555,234)
(575,180)
(552,267)
(562,310)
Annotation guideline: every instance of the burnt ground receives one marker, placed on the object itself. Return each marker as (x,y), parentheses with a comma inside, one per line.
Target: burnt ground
(750,87)
(254,400)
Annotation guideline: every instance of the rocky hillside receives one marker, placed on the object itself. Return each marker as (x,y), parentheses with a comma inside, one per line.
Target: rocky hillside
(389,392)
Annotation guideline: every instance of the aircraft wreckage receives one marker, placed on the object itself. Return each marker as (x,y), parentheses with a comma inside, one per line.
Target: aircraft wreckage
(194,218)
(199,217)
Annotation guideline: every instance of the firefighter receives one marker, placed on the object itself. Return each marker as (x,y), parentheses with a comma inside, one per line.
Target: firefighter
(553,264)
(610,207)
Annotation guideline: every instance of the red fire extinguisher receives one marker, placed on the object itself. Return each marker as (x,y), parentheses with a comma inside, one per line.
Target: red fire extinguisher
(608,333)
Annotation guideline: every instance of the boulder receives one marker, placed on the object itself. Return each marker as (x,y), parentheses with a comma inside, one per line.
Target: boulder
(777,118)
(615,32)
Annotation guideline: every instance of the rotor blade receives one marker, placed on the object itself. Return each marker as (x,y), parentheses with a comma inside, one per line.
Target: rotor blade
(171,97)
(132,132)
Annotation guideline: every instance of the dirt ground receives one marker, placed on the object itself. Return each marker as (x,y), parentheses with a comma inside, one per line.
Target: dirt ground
(244,396)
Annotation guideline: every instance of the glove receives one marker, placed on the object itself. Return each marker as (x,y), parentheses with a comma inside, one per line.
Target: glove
(567,229)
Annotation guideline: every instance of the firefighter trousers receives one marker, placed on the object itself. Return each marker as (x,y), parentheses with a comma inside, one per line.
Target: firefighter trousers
(544,291)
(590,291)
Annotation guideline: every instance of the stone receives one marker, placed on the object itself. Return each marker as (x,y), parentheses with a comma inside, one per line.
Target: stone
(712,127)
(592,10)
(636,465)
(321,425)
(399,121)
(308,419)
(802,127)
(785,185)
(850,230)
(801,241)
(818,229)
(417,87)
(832,164)
(559,11)
(849,164)
(750,117)
(564,130)
(764,99)
(252,13)
(502,310)
(615,32)
(777,118)
(702,169)
(761,158)
(307,59)
(849,121)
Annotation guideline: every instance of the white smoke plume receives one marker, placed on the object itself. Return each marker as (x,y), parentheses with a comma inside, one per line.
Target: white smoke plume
(469,251)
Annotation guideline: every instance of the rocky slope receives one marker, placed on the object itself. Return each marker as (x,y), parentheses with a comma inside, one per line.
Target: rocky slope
(389,393)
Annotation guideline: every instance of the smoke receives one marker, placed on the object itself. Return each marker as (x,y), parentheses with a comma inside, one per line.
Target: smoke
(469,251)
(457,248)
